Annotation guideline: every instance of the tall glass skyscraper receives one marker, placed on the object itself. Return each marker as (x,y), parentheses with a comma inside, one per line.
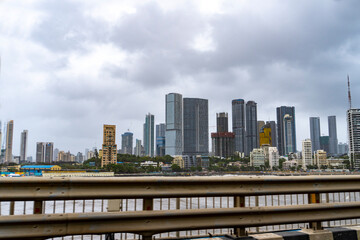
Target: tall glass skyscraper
(160,139)
(149,135)
(49,152)
(222,122)
(238,124)
(174,124)
(273,133)
(9,141)
(196,127)
(252,140)
(333,141)
(127,143)
(23,145)
(315,133)
(289,132)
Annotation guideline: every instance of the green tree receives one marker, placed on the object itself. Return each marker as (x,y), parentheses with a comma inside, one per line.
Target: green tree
(281,161)
(86,164)
(96,153)
(176,168)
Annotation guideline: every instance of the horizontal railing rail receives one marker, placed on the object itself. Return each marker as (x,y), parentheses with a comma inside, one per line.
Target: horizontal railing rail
(149,221)
(152,222)
(32,188)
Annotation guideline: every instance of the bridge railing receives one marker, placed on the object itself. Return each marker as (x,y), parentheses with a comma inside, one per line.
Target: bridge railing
(177,206)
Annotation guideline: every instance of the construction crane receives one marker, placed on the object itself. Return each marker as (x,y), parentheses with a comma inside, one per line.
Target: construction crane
(349,92)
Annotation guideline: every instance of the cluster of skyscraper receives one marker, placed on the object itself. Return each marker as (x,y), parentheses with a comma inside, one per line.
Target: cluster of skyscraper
(186,130)
(6,153)
(327,143)
(249,133)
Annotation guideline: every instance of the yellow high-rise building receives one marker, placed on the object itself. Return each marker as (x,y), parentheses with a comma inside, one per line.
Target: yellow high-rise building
(109,147)
(265,135)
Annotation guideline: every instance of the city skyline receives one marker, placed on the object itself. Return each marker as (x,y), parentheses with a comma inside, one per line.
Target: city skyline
(331,123)
(100,64)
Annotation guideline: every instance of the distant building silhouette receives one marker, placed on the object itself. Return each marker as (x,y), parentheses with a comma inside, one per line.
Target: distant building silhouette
(324,143)
(127,143)
(333,140)
(222,122)
(223,142)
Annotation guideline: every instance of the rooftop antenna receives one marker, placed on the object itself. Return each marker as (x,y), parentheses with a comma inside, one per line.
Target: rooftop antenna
(349,93)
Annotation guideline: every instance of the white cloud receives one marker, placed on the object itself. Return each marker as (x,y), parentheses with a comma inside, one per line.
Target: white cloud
(204,41)
(70,66)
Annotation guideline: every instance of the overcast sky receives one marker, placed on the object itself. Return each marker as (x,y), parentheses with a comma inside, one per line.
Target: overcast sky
(68,67)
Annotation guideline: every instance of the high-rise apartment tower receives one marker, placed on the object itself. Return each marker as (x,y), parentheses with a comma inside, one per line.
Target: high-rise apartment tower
(160,139)
(149,135)
(196,126)
(333,140)
(353,122)
(23,145)
(127,143)
(315,133)
(238,124)
(109,147)
(252,140)
(286,133)
(174,124)
(9,141)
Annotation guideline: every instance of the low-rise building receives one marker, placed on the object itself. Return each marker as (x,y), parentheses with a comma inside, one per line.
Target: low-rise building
(203,161)
(273,155)
(149,163)
(290,164)
(178,160)
(37,170)
(257,157)
(306,153)
(321,159)
(76,174)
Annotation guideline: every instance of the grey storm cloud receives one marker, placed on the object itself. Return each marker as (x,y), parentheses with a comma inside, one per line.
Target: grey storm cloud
(76,65)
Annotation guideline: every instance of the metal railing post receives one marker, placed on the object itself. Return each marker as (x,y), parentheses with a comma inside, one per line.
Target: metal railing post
(314,198)
(114,205)
(148,205)
(178,208)
(38,207)
(12,208)
(257,204)
(239,201)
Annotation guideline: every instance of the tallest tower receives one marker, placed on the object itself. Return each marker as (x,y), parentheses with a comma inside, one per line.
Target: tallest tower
(174,124)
